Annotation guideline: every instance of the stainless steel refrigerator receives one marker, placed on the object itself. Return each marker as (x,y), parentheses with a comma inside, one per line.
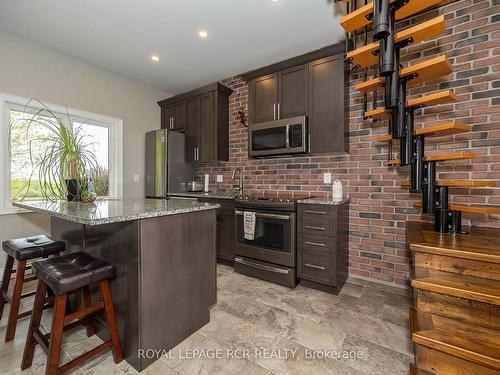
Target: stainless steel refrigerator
(167,170)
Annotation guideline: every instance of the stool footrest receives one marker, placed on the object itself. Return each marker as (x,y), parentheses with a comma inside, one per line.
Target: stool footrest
(83,313)
(42,340)
(85,357)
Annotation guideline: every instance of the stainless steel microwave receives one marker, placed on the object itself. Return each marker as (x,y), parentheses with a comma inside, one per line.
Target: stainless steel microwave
(278,138)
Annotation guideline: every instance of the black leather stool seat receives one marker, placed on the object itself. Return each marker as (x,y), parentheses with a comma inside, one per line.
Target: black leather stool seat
(32,247)
(72,271)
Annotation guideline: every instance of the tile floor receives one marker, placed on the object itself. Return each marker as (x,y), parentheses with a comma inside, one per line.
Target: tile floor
(275,329)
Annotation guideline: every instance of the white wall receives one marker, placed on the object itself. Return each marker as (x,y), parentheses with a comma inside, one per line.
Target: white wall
(30,70)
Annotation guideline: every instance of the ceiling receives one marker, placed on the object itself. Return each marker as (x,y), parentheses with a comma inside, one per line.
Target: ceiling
(121,35)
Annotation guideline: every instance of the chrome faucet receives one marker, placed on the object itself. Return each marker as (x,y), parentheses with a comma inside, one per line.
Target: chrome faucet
(238,188)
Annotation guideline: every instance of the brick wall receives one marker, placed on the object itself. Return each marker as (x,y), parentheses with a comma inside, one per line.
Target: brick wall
(379,206)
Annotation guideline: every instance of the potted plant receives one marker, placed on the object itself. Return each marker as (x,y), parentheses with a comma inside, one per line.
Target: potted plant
(66,167)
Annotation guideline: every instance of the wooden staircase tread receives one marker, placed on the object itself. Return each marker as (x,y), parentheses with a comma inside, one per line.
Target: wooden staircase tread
(361,17)
(476,344)
(432,99)
(457,285)
(378,114)
(484,210)
(414,370)
(442,157)
(429,69)
(459,183)
(366,56)
(434,131)
(479,244)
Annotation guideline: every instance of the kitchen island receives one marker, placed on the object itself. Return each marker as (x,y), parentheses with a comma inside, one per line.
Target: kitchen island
(164,253)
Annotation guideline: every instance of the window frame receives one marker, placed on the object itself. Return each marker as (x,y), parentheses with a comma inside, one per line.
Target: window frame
(115,137)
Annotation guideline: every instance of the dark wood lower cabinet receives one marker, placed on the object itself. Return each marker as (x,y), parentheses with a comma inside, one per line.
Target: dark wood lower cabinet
(323,245)
(225,233)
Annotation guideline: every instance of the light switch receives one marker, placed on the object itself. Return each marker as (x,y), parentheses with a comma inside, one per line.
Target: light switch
(220,178)
(137,178)
(327,178)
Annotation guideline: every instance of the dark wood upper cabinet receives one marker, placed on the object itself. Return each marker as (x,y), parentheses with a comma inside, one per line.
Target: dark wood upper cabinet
(263,98)
(203,114)
(311,85)
(326,105)
(192,127)
(293,98)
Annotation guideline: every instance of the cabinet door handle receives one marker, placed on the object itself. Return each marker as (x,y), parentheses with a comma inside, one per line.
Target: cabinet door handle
(315,228)
(279,116)
(197,154)
(314,266)
(316,212)
(194,152)
(173,122)
(315,243)
(274,111)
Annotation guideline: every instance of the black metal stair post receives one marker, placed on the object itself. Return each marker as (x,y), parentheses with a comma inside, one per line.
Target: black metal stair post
(428,186)
(417,164)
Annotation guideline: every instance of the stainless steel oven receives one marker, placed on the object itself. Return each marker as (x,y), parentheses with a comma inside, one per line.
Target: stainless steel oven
(271,255)
(278,138)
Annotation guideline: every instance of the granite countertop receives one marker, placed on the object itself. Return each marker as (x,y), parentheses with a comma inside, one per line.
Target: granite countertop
(105,211)
(324,201)
(210,194)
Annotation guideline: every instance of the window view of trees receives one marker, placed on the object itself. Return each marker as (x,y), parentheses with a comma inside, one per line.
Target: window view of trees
(26,148)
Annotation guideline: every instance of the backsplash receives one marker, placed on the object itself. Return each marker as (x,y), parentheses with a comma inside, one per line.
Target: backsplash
(379,206)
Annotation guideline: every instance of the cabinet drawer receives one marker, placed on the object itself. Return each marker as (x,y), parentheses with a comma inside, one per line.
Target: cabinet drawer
(316,243)
(315,265)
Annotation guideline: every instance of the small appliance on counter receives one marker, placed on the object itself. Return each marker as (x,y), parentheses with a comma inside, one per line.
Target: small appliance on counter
(167,170)
(195,186)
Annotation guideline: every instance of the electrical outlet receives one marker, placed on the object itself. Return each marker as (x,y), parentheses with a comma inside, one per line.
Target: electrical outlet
(220,178)
(327,178)
(137,178)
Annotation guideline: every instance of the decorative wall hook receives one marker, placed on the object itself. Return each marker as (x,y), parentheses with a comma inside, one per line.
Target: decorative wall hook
(243,118)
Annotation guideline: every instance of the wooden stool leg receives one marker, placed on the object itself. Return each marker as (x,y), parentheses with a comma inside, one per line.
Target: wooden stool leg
(7,271)
(111,319)
(56,335)
(16,302)
(87,302)
(36,317)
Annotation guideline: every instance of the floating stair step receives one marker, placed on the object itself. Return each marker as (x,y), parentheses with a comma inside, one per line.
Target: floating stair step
(424,71)
(414,370)
(432,99)
(434,131)
(378,114)
(484,210)
(457,285)
(367,55)
(442,157)
(465,341)
(363,16)
(424,101)
(460,183)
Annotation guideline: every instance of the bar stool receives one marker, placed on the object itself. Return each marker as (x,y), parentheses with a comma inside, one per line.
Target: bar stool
(22,250)
(64,275)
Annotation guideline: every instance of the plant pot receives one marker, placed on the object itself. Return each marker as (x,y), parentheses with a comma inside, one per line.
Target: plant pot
(73,187)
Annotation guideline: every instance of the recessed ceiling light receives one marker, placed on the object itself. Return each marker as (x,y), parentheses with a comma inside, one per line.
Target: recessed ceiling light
(155,58)
(203,34)
(275,1)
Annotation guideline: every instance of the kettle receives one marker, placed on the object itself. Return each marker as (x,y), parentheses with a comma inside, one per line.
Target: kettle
(337,193)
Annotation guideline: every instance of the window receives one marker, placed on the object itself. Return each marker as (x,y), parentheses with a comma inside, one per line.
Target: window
(19,179)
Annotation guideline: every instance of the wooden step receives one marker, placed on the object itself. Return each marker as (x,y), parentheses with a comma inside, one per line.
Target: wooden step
(424,71)
(378,114)
(483,210)
(465,341)
(459,183)
(362,16)
(457,285)
(416,103)
(434,131)
(366,56)
(414,370)
(442,157)
(432,99)
(479,244)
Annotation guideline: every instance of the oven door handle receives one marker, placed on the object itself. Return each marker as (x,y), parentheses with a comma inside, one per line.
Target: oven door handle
(270,216)
(261,266)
